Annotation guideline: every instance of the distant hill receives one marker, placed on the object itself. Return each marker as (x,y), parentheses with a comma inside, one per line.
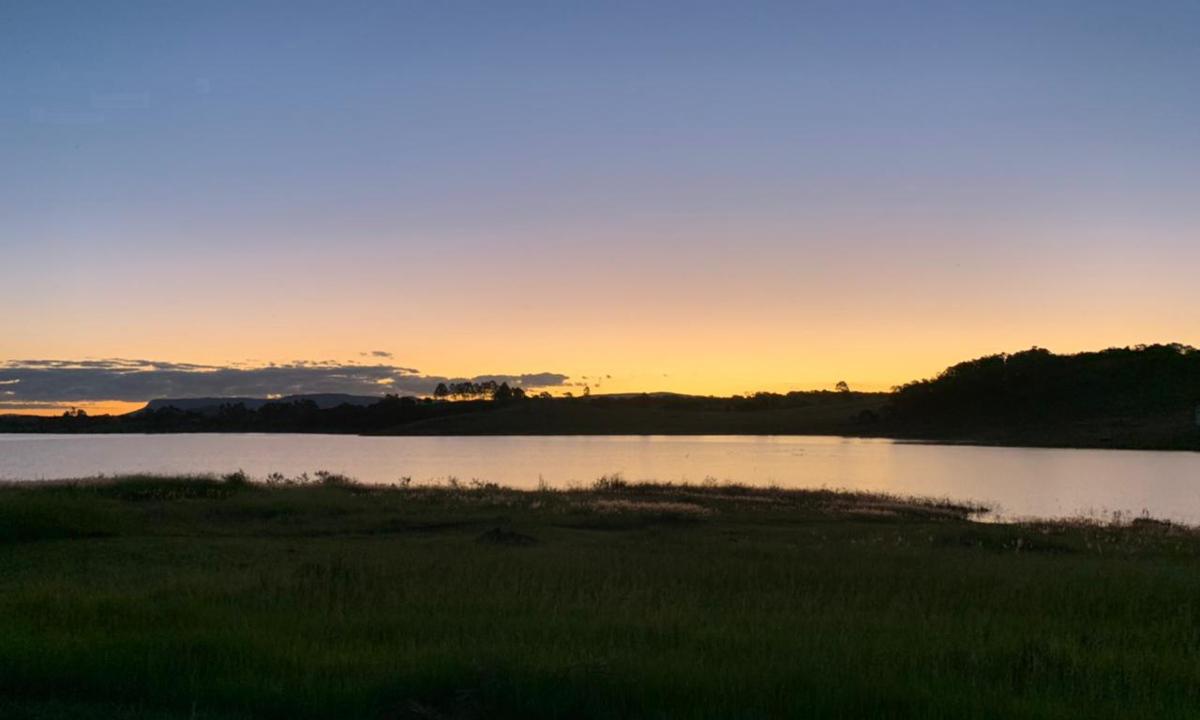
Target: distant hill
(213,404)
(1142,396)
(816,413)
(1138,397)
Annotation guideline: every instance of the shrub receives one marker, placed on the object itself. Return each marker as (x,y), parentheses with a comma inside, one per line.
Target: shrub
(614,481)
(236,479)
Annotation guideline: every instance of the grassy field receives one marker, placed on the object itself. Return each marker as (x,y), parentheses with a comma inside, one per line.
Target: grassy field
(201,598)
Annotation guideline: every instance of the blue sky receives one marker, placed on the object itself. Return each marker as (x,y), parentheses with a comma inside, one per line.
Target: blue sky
(693,196)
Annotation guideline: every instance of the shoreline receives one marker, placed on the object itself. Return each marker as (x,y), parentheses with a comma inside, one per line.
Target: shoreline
(896,438)
(836,500)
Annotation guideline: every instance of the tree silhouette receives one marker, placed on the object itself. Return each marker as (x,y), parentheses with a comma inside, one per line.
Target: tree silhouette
(503,393)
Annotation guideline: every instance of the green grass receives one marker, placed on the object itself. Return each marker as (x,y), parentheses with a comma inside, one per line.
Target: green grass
(200,598)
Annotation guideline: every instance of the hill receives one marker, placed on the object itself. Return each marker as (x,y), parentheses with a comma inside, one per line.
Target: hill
(821,412)
(1143,396)
(794,414)
(213,404)
(1138,397)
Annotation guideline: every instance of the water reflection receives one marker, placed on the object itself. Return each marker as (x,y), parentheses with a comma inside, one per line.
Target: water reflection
(1016,482)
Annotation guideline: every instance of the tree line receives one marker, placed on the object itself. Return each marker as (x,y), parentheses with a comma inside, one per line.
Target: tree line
(485,390)
(1038,386)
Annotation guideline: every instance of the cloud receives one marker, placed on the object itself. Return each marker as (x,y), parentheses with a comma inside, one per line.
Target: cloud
(32,382)
(6,405)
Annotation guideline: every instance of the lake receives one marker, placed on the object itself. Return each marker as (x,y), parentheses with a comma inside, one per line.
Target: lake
(1015,482)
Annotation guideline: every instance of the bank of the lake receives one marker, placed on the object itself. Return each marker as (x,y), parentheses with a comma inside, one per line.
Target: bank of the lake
(201,598)
(865,415)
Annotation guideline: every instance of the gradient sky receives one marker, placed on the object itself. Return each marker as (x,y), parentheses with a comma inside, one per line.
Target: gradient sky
(699,197)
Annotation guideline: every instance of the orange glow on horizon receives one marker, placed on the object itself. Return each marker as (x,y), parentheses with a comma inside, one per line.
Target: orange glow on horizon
(108,407)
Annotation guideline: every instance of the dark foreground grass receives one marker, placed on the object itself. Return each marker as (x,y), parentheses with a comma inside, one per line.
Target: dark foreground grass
(196,598)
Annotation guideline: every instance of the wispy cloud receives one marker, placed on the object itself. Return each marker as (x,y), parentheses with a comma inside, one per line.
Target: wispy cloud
(10,405)
(32,382)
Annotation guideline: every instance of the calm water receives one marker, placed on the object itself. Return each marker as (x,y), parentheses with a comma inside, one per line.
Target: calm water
(1017,482)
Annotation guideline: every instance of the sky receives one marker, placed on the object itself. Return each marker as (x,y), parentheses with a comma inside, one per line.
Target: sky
(701,197)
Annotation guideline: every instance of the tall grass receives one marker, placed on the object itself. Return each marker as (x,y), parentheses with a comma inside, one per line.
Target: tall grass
(212,598)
